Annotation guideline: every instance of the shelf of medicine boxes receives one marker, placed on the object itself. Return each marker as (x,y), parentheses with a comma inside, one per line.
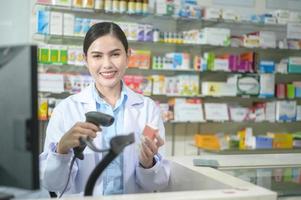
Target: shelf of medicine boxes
(101,14)
(78,40)
(146,71)
(211,98)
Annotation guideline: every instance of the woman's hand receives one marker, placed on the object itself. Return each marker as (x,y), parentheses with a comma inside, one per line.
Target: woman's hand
(71,138)
(149,148)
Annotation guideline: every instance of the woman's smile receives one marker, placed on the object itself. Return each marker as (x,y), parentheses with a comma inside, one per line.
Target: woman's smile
(108,74)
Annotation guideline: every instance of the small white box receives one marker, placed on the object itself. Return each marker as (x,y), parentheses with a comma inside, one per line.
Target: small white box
(56,23)
(230,15)
(62,3)
(294,31)
(267,39)
(270,111)
(215,36)
(133,31)
(298,113)
(68,24)
(185,111)
(212,13)
(221,64)
(216,111)
(286,111)
(267,85)
(51,82)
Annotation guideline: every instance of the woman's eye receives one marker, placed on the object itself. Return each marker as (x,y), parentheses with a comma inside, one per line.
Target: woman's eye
(96,56)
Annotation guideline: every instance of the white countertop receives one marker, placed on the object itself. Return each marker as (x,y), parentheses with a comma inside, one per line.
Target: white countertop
(196,183)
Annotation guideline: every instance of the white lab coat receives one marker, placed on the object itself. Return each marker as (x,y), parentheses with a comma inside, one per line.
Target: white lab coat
(139,111)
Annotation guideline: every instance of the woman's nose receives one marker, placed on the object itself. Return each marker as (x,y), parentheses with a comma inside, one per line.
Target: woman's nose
(106,62)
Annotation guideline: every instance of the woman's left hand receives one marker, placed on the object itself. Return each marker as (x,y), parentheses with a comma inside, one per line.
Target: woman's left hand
(148,149)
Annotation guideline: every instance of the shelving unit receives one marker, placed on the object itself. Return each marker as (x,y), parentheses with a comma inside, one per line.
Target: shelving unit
(188,129)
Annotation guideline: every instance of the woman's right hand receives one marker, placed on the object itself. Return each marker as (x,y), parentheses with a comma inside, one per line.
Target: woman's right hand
(71,138)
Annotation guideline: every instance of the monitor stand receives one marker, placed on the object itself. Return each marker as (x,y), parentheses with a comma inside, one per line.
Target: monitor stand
(6,196)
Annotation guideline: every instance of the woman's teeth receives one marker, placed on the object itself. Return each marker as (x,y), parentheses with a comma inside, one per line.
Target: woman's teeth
(108,74)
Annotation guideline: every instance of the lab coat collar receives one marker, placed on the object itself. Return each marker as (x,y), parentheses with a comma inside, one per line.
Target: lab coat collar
(86,96)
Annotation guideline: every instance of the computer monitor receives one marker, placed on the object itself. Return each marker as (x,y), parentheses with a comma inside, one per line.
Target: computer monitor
(19,138)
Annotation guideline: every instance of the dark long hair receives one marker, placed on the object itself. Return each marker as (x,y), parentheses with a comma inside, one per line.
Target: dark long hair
(102,29)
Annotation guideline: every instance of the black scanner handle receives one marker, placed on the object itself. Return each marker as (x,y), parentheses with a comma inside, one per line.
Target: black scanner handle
(97,118)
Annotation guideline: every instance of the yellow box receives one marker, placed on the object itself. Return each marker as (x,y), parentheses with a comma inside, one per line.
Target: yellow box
(43,109)
(207,141)
(282,140)
(242,138)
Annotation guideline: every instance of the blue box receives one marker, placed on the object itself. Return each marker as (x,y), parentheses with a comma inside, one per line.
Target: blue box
(266,66)
(297,91)
(263,142)
(43,22)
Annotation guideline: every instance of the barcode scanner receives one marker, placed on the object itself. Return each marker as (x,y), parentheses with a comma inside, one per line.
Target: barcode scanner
(97,118)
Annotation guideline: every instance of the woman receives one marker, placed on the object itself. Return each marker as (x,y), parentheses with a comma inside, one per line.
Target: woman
(141,167)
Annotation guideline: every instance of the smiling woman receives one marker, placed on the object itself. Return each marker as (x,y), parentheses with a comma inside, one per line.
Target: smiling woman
(141,169)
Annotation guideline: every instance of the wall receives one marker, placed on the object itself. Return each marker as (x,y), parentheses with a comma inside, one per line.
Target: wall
(15,22)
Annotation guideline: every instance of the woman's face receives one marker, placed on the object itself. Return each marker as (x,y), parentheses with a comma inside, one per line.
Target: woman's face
(107,61)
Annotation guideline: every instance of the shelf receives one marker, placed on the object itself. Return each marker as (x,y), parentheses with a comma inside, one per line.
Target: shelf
(251,151)
(78,40)
(67,67)
(232,122)
(251,98)
(139,17)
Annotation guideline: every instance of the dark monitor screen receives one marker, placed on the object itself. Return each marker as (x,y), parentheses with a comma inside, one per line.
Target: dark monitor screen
(19,138)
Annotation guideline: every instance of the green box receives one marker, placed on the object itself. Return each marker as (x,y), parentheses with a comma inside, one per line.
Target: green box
(63,56)
(44,55)
(54,56)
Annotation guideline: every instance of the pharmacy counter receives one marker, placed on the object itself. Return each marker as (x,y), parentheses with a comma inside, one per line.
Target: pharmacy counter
(277,172)
(190,182)
(199,183)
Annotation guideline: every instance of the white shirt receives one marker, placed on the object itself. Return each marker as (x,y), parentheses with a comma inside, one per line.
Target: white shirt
(138,112)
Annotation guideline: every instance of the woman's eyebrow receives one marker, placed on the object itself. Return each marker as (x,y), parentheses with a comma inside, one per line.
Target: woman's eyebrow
(96,52)
(99,52)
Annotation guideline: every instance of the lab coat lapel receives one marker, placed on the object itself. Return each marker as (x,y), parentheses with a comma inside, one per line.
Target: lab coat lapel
(131,118)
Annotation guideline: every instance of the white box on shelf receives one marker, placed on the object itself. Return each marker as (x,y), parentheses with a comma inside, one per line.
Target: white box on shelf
(267,39)
(231,15)
(294,31)
(299,113)
(216,111)
(267,85)
(215,36)
(171,85)
(211,88)
(221,64)
(270,20)
(56,23)
(238,113)
(187,111)
(212,13)
(282,16)
(68,27)
(270,111)
(62,3)
(51,82)
(133,31)
(295,17)
(286,111)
